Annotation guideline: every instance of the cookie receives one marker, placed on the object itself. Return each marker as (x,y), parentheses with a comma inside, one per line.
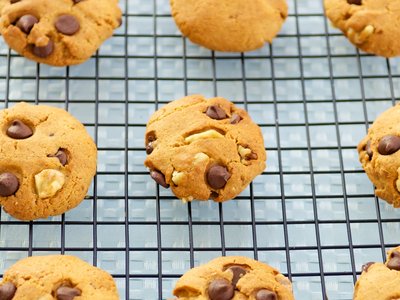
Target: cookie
(380,156)
(371,25)
(60,277)
(229,25)
(380,281)
(47,161)
(204,148)
(58,32)
(233,277)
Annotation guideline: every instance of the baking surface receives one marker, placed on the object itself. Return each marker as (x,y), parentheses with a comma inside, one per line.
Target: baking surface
(312,213)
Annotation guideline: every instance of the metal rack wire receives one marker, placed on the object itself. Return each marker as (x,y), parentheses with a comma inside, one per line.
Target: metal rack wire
(312,213)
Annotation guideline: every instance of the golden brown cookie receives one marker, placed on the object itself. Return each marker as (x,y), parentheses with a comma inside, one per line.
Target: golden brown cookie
(204,148)
(60,277)
(371,25)
(47,161)
(380,281)
(229,25)
(379,155)
(58,32)
(233,278)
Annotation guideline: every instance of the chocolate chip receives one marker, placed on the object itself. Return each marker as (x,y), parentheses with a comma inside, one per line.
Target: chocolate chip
(159,178)
(77,1)
(25,23)
(368,149)
(266,295)
(149,148)
(19,130)
(218,176)
(394,262)
(366,266)
(61,155)
(216,112)
(67,293)
(235,119)
(238,272)
(220,289)
(9,184)
(7,291)
(214,195)
(119,22)
(44,51)
(252,156)
(14,1)
(67,24)
(356,2)
(389,144)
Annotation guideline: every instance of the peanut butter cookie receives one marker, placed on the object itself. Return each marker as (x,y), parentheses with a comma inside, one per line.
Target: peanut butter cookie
(47,161)
(204,148)
(233,278)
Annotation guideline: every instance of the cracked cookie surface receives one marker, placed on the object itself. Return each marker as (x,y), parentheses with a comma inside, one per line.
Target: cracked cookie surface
(47,161)
(61,277)
(380,156)
(380,281)
(229,25)
(233,278)
(58,32)
(371,25)
(204,148)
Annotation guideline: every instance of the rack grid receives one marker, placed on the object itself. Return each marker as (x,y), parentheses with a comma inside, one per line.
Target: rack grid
(312,213)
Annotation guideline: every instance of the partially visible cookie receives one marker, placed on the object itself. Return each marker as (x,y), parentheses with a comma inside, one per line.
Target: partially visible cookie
(47,161)
(380,156)
(60,277)
(233,277)
(380,281)
(204,148)
(371,25)
(58,32)
(229,25)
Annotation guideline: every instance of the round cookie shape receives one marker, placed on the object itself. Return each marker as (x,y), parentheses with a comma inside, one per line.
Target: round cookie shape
(49,171)
(233,277)
(204,148)
(229,25)
(58,32)
(61,277)
(371,25)
(380,156)
(380,281)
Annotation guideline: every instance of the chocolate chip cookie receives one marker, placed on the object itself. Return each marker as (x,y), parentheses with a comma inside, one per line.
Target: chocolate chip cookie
(229,25)
(371,25)
(233,277)
(58,32)
(380,156)
(204,148)
(47,161)
(60,277)
(380,281)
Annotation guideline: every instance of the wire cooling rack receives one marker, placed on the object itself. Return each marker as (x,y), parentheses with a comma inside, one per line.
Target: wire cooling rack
(312,213)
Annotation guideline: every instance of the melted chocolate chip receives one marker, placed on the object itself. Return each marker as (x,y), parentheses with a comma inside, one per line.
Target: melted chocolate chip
(389,144)
(220,289)
(235,119)
(159,178)
(368,149)
(252,156)
(216,112)
(218,176)
(67,293)
(25,23)
(67,24)
(266,295)
(44,51)
(394,262)
(7,291)
(19,130)
(356,2)
(366,266)
(14,1)
(9,184)
(61,155)
(77,1)
(238,272)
